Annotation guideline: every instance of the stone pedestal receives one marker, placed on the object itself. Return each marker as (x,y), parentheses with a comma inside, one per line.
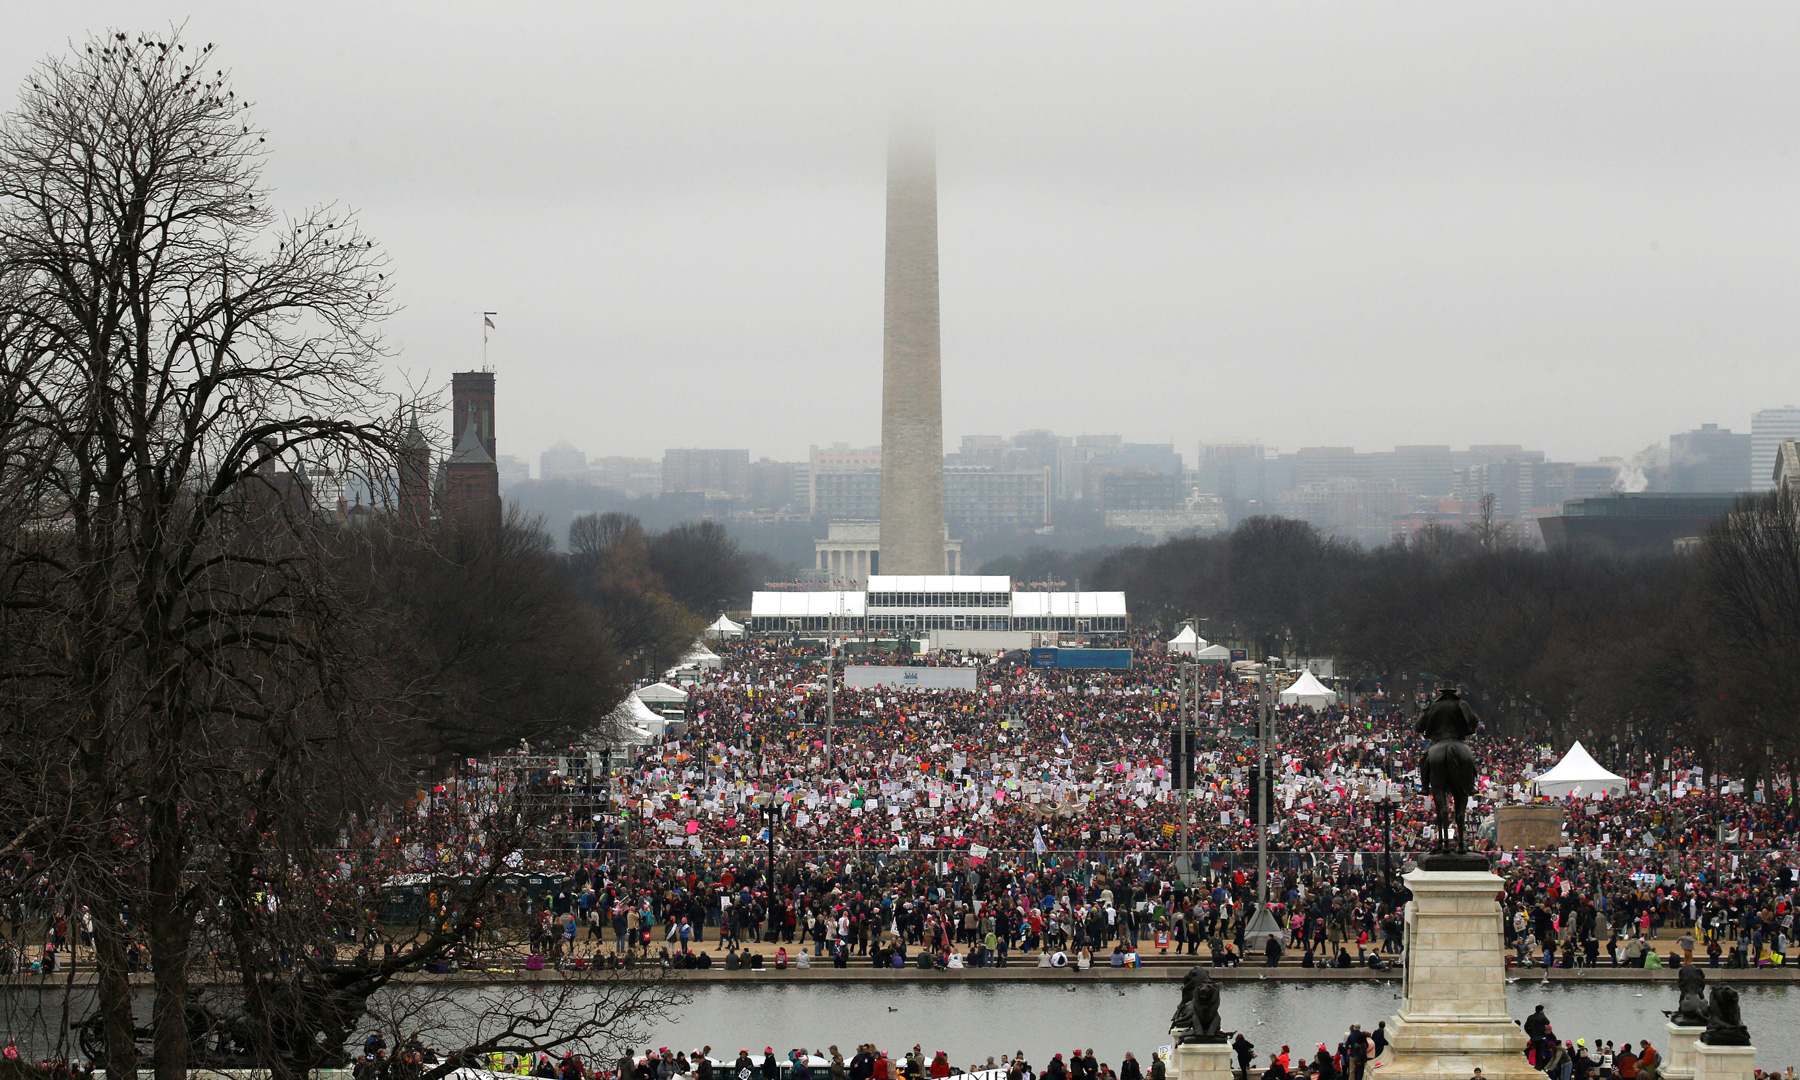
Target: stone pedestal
(1453,1016)
(1724,1062)
(1678,1059)
(1202,1061)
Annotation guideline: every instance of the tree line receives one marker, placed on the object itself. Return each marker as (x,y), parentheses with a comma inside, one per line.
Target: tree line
(205,679)
(1696,650)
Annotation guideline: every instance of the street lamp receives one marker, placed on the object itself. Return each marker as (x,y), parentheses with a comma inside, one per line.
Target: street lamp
(1262,924)
(830,696)
(771,811)
(1184,734)
(1769,771)
(1386,800)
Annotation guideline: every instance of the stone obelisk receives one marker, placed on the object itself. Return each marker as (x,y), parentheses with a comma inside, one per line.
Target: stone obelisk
(912,403)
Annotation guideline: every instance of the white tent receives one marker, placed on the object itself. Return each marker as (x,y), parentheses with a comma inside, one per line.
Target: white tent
(1187,642)
(660,694)
(632,723)
(1577,769)
(1308,690)
(701,656)
(1212,654)
(724,629)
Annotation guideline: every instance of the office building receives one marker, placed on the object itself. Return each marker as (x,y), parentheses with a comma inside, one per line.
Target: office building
(513,469)
(714,472)
(1641,523)
(977,497)
(847,494)
(1768,428)
(563,462)
(1710,459)
(769,485)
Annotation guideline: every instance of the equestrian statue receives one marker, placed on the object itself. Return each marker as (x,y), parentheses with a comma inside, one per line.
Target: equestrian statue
(1448,767)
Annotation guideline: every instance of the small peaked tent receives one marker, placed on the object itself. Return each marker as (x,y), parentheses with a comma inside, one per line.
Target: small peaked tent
(631,723)
(1187,642)
(701,656)
(660,694)
(1308,690)
(724,629)
(1577,769)
(1212,654)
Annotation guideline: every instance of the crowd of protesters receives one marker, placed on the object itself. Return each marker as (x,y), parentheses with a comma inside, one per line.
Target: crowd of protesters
(1039,817)
(1037,820)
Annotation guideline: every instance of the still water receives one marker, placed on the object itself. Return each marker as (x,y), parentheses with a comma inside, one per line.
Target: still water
(971,1021)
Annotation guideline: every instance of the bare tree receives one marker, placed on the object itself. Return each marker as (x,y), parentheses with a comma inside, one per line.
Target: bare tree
(181,359)
(610,556)
(1489,531)
(202,678)
(1750,583)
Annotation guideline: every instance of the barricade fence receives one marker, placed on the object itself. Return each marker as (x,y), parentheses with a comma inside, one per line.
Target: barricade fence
(1647,864)
(547,881)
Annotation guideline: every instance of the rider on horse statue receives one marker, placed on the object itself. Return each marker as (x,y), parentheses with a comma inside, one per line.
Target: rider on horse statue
(1447,768)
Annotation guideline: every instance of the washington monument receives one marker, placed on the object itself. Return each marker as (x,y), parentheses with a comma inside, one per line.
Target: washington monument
(912,406)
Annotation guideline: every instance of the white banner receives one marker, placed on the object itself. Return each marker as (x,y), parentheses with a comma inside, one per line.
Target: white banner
(863,676)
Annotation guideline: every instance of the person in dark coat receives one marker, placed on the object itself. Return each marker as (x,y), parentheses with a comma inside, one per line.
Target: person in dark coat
(1324,1067)
(1246,1054)
(862,1066)
(1536,1024)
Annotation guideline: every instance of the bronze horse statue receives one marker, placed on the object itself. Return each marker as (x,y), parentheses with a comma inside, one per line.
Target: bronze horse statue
(1448,768)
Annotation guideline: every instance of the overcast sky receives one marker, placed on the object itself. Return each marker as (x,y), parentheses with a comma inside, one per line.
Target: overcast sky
(1575,226)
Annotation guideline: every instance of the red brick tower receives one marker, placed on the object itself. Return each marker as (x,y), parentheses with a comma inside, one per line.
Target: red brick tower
(471,476)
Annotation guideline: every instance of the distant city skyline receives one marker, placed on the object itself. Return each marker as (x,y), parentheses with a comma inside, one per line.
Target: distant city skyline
(1325,226)
(1108,489)
(1784,421)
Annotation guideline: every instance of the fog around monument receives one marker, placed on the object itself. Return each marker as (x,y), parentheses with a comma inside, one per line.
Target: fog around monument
(1567,228)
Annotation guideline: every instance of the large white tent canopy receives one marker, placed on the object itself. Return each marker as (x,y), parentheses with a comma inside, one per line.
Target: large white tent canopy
(1308,690)
(1578,771)
(1212,654)
(661,694)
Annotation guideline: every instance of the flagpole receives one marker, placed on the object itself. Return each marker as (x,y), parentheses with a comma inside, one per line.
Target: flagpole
(486,322)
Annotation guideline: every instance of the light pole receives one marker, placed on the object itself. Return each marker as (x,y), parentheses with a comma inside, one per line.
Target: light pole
(830,696)
(1262,925)
(1184,862)
(1386,800)
(1263,739)
(1769,772)
(771,811)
